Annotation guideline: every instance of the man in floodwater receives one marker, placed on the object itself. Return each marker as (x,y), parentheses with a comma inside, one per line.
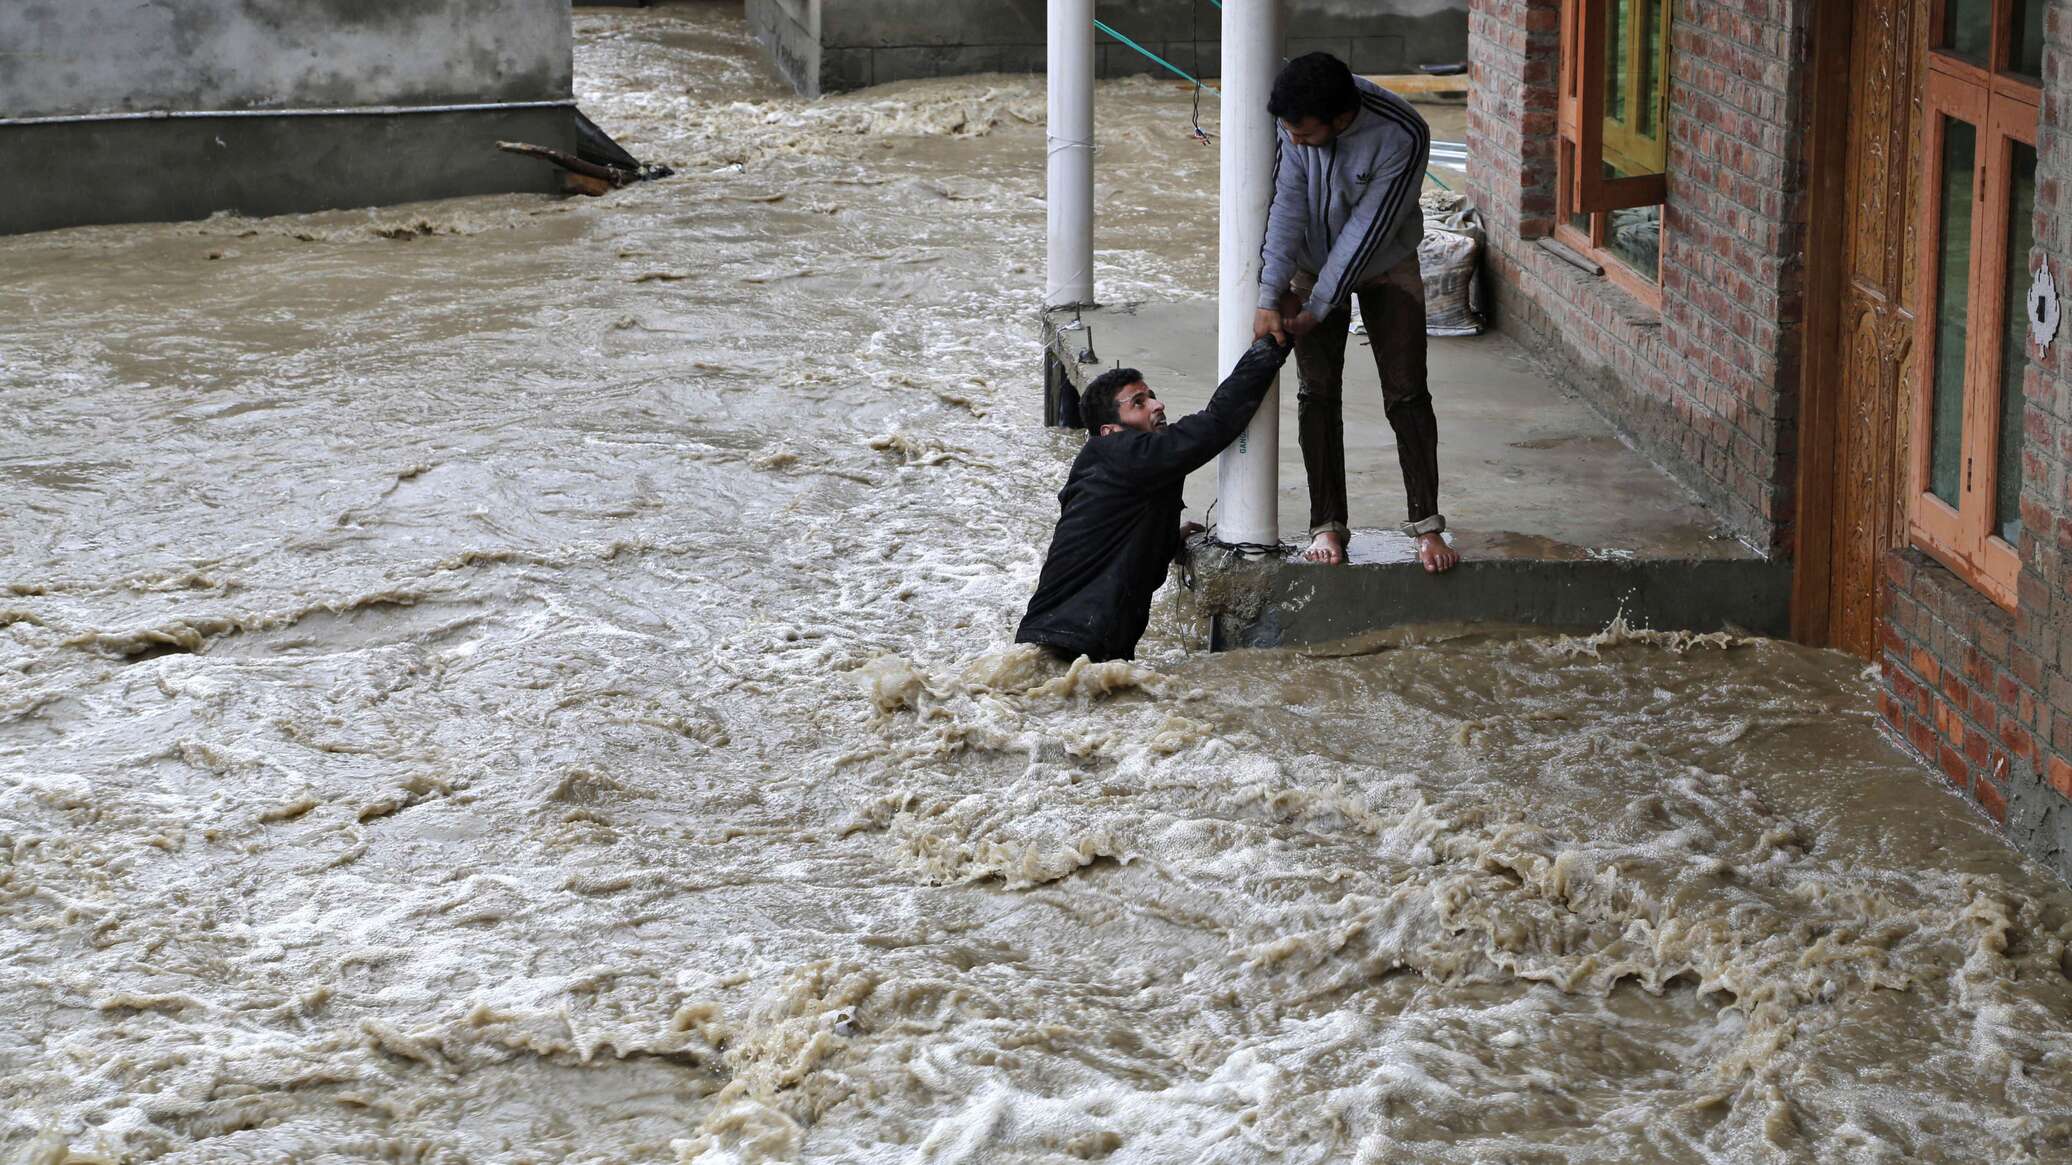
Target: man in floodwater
(1119,514)
(1345,221)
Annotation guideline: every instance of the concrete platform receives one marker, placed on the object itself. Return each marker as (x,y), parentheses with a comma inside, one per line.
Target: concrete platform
(1558,522)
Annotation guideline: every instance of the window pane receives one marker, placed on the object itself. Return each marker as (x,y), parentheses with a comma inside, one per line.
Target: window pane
(2021,236)
(1646,117)
(1636,53)
(1952,306)
(1635,236)
(1615,79)
(2025,55)
(1967,29)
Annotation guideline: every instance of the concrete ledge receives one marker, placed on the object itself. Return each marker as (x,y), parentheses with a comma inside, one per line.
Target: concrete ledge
(1559,525)
(164,170)
(1273,603)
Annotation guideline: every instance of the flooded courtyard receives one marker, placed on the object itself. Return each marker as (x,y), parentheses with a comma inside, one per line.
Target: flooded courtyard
(518,680)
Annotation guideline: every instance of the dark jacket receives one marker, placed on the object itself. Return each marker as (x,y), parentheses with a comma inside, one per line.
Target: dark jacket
(1119,519)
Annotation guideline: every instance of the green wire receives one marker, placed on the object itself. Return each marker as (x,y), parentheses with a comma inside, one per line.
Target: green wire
(1154,56)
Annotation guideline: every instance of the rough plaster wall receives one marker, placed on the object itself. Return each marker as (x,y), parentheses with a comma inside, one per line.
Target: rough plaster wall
(881,23)
(123,56)
(790,31)
(871,42)
(932,22)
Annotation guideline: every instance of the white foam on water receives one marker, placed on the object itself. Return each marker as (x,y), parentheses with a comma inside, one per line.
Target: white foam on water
(514,680)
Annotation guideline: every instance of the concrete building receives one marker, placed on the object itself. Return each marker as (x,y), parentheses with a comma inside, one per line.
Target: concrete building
(115,111)
(827,46)
(1794,249)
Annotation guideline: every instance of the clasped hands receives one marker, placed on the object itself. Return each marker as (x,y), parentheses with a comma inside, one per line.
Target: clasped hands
(1288,319)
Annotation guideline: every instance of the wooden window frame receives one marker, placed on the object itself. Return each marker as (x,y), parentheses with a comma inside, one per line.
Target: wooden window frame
(1994,75)
(1582,188)
(2003,110)
(1593,192)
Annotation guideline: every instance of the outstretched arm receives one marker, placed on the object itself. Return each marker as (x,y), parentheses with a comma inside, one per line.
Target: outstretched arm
(1187,444)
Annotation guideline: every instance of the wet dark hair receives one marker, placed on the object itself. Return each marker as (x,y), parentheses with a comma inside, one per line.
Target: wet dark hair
(1313,85)
(1097,405)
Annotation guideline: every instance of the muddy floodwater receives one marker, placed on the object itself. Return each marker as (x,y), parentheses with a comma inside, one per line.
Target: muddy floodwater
(519,680)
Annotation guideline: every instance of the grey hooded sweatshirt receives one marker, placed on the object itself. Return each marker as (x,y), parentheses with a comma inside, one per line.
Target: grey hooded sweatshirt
(1346,212)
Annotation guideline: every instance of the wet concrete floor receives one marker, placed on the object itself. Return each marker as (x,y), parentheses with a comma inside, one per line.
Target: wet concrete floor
(1526,468)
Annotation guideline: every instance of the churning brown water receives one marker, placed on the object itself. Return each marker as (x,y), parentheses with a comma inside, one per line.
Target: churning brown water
(515,680)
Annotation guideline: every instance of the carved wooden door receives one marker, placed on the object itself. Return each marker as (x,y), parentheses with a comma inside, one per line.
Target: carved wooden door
(1877,369)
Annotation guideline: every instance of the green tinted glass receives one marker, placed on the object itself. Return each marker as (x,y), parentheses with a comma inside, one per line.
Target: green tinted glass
(2025,54)
(2021,236)
(1618,23)
(1650,84)
(1967,29)
(1636,62)
(1952,308)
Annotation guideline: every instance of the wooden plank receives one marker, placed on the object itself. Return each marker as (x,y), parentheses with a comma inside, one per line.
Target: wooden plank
(1416,84)
(1401,84)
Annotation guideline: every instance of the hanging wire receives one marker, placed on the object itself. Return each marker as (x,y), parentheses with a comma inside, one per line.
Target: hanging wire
(1154,57)
(1199,134)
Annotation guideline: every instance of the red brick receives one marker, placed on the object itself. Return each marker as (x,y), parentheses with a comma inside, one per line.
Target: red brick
(2019,743)
(1991,799)
(1953,766)
(1922,737)
(2060,775)
(2027,668)
(1978,748)
(1981,707)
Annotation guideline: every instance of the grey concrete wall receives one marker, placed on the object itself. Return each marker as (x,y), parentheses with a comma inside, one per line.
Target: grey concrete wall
(1277,604)
(790,31)
(871,42)
(188,168)
(125,56)
(100,63)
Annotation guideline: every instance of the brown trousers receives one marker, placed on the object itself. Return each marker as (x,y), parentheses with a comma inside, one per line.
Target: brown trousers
(1393,308)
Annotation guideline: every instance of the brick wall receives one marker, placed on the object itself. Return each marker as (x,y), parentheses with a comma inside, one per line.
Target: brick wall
(1984,695)
(1957,690)
(1513,49)
(1707,386)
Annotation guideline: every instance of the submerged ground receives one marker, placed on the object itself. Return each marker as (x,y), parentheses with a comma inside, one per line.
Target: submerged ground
(516,680)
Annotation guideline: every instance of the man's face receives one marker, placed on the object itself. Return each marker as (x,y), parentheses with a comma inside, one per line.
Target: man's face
(1315,131)
(1140,408)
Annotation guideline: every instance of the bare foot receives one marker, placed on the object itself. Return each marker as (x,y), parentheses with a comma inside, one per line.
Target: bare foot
(1327,546)
(1437,556)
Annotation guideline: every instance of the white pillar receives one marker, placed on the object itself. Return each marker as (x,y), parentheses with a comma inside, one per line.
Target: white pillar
(1070,61)
(1248,473)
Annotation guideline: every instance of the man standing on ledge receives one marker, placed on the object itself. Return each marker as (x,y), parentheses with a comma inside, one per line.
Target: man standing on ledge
(1119,513)
(1345,221)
